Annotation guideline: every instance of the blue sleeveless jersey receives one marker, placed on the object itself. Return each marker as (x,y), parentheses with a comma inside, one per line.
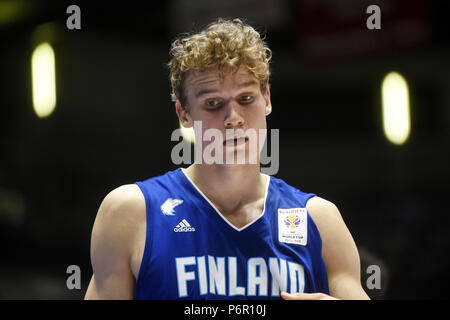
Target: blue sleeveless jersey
(193,252)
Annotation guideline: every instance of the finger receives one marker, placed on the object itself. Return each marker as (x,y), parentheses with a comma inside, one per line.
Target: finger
(300,296)
(287,296)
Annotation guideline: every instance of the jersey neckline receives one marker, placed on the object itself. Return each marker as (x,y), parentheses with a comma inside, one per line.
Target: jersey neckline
(204,197)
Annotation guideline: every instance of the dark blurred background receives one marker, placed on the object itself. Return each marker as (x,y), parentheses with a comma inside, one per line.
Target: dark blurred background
(114,118)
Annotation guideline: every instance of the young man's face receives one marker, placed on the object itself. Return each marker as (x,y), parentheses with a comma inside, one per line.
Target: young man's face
(233,102)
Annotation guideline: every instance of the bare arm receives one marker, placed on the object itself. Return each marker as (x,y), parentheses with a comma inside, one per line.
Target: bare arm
(338,249)
(113,243)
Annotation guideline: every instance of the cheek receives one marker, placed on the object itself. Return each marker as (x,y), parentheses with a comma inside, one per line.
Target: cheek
(213,120)
(257,114)
(210,123)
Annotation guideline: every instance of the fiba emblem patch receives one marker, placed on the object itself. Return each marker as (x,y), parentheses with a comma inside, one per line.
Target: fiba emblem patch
(293,226)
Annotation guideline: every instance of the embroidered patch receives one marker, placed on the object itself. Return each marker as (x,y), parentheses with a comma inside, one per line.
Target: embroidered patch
(293,226)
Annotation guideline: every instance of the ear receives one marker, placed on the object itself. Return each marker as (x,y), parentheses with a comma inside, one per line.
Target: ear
(268,107)
(183,115)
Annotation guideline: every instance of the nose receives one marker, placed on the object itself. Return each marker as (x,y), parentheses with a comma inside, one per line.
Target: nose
(233,119)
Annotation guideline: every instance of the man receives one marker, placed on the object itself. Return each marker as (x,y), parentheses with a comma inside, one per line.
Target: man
(221,230)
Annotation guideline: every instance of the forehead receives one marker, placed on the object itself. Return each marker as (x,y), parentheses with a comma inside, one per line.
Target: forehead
(211,77)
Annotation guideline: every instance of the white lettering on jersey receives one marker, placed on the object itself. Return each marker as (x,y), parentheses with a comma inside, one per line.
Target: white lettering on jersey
(192,271)
(297,276)
(234,289)
(279,275)
(216,275)
(202,280)
(183,275)
(257,276)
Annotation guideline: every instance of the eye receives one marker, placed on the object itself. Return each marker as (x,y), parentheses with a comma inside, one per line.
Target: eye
(213,103)
(246,99)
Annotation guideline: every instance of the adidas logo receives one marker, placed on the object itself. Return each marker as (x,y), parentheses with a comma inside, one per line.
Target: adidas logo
(184,226)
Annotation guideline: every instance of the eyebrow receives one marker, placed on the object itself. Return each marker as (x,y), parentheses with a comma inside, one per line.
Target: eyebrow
(204,91)
(243,84)
(248,83)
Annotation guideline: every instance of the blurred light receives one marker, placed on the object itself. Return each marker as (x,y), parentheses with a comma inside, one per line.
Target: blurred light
(188,134)
(43,80)
(46,32)
(12,208)
(395,108)
(13,11)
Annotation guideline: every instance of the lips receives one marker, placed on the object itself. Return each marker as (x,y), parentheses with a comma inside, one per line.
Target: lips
(235,141)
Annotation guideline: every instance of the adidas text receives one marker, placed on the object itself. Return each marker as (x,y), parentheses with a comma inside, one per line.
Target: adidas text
(184,226)
(184,229)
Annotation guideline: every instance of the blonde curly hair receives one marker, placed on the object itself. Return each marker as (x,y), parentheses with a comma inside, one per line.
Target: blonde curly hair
(226,44)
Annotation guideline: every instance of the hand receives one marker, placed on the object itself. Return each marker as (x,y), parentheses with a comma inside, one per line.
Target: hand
(306,296)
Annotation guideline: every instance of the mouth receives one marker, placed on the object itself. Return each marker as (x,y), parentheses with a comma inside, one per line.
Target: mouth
(236,141)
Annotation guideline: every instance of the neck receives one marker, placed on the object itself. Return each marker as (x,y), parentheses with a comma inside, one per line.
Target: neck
(229,187)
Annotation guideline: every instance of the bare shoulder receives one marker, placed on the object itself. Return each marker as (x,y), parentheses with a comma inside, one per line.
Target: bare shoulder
(120,217)
(329,221)
(125,200)
(323,212)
